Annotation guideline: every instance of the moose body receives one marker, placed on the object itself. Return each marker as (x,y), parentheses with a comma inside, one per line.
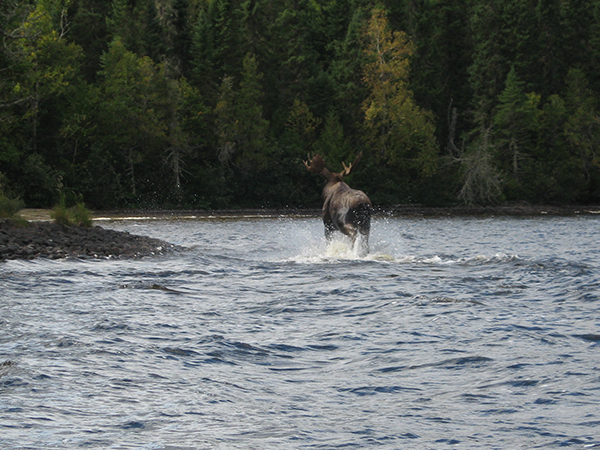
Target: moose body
(344,209)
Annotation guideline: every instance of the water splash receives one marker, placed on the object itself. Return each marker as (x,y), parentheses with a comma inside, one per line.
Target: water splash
(339,249)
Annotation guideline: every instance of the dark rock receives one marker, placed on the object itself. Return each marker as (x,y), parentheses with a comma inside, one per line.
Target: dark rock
(49,240)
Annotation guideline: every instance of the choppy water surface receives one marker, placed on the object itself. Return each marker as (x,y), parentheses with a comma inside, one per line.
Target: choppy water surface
(453,333)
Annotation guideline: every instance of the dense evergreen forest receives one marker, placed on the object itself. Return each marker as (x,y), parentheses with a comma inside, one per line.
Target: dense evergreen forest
(215,103)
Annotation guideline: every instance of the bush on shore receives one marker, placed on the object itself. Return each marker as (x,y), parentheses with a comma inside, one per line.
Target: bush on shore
(9,206)
(77,215)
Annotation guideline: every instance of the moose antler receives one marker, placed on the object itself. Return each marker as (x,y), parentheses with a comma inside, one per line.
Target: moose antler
(316,164)
(348,170)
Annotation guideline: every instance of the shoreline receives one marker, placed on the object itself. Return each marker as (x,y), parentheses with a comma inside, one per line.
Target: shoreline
(47,240)
(43,215)
(39,237)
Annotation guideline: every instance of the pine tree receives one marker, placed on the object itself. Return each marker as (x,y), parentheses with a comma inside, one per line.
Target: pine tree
(516,125)
(134,110)
(332,142)
(302,122)
(129,23)
(88,29)
(243,131)
(443,53)
(218,46)
(551,49)
(346,72)
(397,130)
(253,127)
(582,133)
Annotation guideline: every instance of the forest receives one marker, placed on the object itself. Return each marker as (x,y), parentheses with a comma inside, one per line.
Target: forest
(213,104)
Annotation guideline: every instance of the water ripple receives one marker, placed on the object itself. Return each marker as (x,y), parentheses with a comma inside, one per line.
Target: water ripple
(470,333)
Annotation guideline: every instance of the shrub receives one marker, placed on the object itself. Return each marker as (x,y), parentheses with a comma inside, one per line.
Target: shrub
(77,215)
(9,206)
(81,215)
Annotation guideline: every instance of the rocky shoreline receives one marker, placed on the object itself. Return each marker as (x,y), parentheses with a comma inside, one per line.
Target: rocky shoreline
(31,240)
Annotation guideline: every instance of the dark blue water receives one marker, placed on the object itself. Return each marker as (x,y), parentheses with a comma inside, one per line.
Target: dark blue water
(452,334)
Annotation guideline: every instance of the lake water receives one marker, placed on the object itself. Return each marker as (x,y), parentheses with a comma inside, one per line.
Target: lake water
(453,333)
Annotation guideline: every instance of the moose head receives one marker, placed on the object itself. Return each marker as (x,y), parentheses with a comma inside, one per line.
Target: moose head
(344,209)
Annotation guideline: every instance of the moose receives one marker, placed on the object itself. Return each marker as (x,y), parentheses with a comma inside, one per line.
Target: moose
(344,209)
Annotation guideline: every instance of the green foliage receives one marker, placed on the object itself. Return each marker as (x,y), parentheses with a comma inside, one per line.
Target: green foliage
(77,215)
(443,51)
(332,143)
(517,120)
(186,103)
(243,132)
(397,130)
(303,124)
(9,206)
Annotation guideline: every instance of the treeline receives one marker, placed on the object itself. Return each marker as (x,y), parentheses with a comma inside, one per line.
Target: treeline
(214,103)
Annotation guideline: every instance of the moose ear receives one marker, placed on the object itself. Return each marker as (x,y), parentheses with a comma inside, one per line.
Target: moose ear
(316,164)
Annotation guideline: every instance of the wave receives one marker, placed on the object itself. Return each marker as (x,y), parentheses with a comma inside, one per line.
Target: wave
(342,251)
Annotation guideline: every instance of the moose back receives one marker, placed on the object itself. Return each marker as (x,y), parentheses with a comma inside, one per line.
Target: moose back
(344,209)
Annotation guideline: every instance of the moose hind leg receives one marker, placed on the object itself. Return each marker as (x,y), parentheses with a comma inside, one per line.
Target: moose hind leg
(361,224)
(349,230)
(358,241)
(361,244)
(329,230)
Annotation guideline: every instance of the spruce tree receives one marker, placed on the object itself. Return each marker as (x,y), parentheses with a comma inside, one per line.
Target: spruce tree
(397,130)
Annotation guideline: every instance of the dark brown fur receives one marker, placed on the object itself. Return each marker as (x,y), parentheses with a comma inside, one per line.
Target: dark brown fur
(344,209)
